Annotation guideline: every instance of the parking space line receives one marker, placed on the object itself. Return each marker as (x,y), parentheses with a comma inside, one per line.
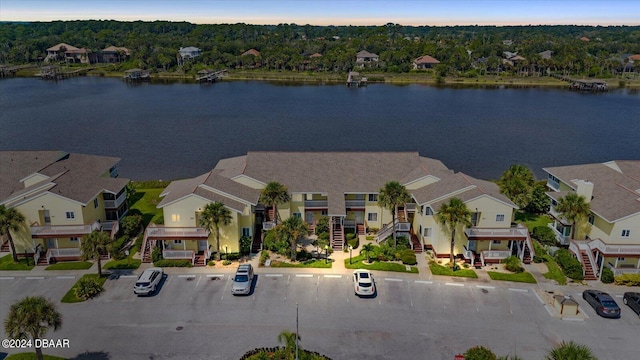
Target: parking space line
(618,296)
(7,278)
(485,287)
(392,279)
(34,277)
(519,290)
(548,310)
(186,276)
(333,276)
(423,282)
(65,277)
(273,275)
(304,275)
(215,275)
(539,298)
(454,284)
(127,276)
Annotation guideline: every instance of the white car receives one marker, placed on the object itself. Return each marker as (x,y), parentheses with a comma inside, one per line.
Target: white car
(148,281)
(363,283)
(243,280)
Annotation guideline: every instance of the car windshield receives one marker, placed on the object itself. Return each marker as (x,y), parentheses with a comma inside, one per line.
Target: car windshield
(608,303)
(241,278)
(364,275)
(142,284)
(366,285)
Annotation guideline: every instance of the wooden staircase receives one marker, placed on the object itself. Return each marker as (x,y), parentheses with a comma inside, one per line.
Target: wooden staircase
(415,243)
(256,244)
(526,258)
(337,236)
(360,229)
(200,260)
(5,247)
(589,273)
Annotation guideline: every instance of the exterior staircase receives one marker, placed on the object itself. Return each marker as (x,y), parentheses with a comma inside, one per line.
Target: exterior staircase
(42,260)
(415,244)
(5,246)
(337,236)
(256,244)
(200,260)
(527,254)
(360,229)
(589,273)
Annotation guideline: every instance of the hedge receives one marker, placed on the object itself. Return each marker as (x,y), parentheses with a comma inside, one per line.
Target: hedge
(173,263)
(628,279)
(569,264)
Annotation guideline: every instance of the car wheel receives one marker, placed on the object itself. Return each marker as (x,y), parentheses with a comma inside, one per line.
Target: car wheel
(624,300)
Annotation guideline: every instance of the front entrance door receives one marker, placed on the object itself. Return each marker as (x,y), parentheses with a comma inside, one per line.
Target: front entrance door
(473,245)
(51,243)
(202,245)
(308,217)
(359,217)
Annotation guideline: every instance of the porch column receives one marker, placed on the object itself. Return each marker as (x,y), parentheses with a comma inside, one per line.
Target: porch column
(184,245)
(616,265)
(490,242)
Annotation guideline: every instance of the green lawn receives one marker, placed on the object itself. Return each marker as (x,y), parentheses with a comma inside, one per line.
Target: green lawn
(531,221)
(70,265)
(127,263)
(319,264)
(523,277)
(146,201)
(6,263)
(32,356)
(357,263)
(555,272)
(444,270)
(70,296)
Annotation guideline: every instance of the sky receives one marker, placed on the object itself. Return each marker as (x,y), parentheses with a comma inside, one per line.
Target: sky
(333,12)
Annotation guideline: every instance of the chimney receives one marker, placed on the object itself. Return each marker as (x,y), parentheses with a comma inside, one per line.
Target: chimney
(584,188)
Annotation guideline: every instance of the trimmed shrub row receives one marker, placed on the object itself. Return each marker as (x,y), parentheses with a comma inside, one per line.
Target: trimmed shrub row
(569,264)
(173,263)
(628,279)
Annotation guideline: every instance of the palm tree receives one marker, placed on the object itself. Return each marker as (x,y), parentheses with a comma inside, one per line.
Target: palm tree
(390,196)
(93,245)
(573,207)
(517,184)
(367,248)
(214,215)
(31,318)
(288,338)
(452,215)
(10,220)
(272,195)
(293,229)
(570,351)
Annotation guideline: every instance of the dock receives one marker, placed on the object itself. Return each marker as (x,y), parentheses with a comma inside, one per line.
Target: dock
(8,71)
(210,76)
(54,72)
(592,85)
(135,75)
(355,80)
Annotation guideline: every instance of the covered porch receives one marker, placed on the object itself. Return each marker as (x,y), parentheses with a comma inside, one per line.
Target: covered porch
(54,243)
(621,259)
(177,243)
(492,245)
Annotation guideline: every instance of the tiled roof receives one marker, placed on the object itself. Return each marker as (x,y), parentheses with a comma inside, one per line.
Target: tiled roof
(616,186)
(59,46)
(426,59)
(366,54)
(253,52)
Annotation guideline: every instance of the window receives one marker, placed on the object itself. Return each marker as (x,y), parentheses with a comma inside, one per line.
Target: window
(298,215)
(177,241)
(496,242)
(620,259)
(175,217)
(592,219)
(73,239)
(372,217)
(499,217)
(95,203)
(373,197)
(427,232)
(625,233)
(246,231)
(70,215)
(428,211)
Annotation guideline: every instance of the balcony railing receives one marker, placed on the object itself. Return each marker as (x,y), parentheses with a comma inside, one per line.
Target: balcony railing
(562,239)
(114,204)
(553,184)
(316,203)
(68,252)
(614,249)
(64,230)
(514,233)
(624,270)
(496,254)
(354,203)
(177,233)
(179,254)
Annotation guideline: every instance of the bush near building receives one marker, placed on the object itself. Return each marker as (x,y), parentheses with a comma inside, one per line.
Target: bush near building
(628,279)
(569,264)
(607,276)
(544,235)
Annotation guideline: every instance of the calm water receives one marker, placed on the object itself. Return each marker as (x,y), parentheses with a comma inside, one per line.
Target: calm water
(177,130)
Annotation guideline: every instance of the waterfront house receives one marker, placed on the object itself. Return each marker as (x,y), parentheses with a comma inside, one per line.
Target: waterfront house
(612,190)
(251,52)
(114,54)
(343,186)
(189,52)
(63,196)
(425,62)
(365,58)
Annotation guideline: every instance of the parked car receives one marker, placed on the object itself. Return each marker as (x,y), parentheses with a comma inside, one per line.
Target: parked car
(632,300)
(148,281)
(602,303)
(363,283)
(242,280)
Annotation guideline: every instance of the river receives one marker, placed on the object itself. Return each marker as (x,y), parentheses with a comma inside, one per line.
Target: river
(177,130)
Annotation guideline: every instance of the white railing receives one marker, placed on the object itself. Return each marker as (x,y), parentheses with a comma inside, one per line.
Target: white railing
(497,232)
(354,203)
(384,232)
(411,207)
(621,271)
(496,254)
(553,184)
(530,246)
(577,247)
(65,252)
(177,233)
(562,239)
(614,249)
(468,255)
(113,204)
(179,254)
(267,225)
(349,223)
(59,230)
(316,203)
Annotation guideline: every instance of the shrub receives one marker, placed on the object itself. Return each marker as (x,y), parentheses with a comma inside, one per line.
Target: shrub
(273,243)
(569,264)
(351,236)
(115,249)
(370,237)
(354,243)
(232,256)
(628,279)
(173,263)
(322,226)
(545,235)
(264,256)
(226,262)
(538,259)
(156,254)
(303,255)
(409,259)
(87,288)
(211,263)
(131,224)
(479,353)
(512,263)
(245,245)
(607,276)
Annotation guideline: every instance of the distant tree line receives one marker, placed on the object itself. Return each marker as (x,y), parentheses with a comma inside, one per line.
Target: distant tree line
(154,46)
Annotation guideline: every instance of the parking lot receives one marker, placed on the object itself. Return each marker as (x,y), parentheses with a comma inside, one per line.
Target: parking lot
(195,316)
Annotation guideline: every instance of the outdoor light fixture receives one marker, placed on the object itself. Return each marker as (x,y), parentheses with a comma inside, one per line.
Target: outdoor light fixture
(326,257)
(350,250)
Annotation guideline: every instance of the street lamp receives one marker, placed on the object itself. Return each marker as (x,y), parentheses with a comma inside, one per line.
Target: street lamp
(326,256)
(350,252)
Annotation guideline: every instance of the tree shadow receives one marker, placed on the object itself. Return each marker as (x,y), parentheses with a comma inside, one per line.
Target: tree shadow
(92,355)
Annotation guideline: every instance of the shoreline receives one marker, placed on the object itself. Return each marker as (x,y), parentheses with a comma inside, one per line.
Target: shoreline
(400,79)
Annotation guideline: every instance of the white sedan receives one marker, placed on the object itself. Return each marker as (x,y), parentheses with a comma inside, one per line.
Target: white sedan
(363,283)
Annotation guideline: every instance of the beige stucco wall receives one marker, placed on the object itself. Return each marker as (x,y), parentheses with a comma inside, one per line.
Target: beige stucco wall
(91,213)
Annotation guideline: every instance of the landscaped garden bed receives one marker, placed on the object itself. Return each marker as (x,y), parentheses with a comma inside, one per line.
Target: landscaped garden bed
(71,295)
(437,269)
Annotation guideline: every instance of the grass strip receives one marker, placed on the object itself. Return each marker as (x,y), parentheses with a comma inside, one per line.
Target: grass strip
(6,263)
(70,265)
(318,264)
(523,277)
(357,263)
(444,270)
(555,273)
(32,356)
(127,263)
(70,297)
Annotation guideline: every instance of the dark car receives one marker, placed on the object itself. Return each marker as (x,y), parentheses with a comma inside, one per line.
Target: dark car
(602,303)
(632,299)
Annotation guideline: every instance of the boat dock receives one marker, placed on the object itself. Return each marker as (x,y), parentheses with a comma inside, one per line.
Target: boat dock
(593,85)
(8,71)
(210,76)
(53,72)
(135,75)
(355,80)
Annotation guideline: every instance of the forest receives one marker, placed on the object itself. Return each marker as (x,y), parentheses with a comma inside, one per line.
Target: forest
(461,50)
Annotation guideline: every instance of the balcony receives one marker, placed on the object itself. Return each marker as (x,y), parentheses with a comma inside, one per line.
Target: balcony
(624,270)
(553,184)
(354,203)
(562,239)
(495,254)
(318,204)
(615,250)
(514,233)
(179,255)
(60,231)
(114,204)
(177,233)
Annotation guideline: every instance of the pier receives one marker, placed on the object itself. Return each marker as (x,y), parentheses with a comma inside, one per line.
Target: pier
(54,72)
(210,76)
(355,80)
(8,71)
(593,85)
(135,75)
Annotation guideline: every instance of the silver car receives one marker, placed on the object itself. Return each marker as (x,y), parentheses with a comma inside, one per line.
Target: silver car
(242,280)
(148,281)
